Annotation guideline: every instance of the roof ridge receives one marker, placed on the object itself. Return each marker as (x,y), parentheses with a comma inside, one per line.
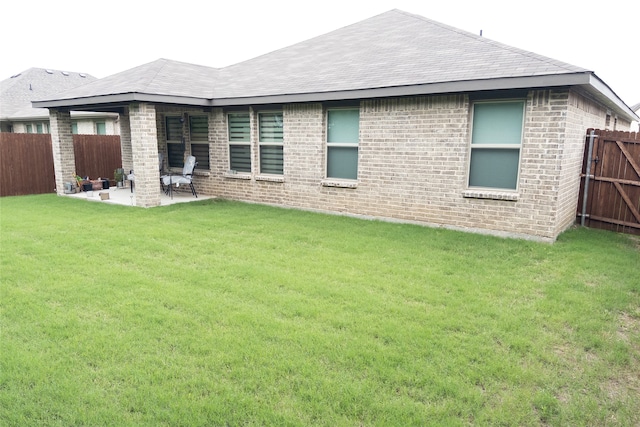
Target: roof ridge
(150,80)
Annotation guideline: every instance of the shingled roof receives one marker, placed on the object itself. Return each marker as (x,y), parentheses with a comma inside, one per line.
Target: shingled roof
(392,54)
(18,91)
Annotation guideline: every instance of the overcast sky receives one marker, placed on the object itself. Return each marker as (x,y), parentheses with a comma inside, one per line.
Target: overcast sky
(104,38)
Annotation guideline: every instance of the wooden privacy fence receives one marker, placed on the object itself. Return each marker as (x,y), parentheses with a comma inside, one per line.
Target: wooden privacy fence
(97,156)
(610,186)
(26,161)
(26,164)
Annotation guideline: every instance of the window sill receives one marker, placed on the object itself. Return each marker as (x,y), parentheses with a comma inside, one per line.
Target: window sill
(178,171)
(491,194)
(339,183)
(235,175)
(270,178)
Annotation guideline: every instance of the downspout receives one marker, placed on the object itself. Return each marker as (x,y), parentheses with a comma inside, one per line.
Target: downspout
(587,177)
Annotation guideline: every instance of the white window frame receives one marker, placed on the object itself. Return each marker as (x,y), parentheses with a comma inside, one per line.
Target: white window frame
(244,143)
(173,141)
(201,164)
(270,143)
(518,146)
(328,144)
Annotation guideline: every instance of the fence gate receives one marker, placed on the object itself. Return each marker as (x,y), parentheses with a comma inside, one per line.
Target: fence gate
(610,185)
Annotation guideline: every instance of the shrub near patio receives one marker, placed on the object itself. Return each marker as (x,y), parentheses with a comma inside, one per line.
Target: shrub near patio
(224,313)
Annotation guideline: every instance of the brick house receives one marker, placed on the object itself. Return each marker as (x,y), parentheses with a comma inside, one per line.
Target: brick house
(396,117)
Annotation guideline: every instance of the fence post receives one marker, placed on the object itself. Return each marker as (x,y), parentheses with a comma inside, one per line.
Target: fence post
(586,178)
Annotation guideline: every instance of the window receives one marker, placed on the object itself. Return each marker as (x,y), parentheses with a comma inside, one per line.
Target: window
(101,128)
(496,139)
(175,145)
(270,133)
(239,142)
(29,128)
(39,128)
(343,134)
(74,128)
(199,133)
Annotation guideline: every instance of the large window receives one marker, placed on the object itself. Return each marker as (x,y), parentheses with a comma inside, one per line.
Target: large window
(496,140)
(175,145)
(239,142)
(343,134)
(270,133)
(199,134)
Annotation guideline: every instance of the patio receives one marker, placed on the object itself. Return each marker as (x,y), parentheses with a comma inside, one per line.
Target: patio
(124,196)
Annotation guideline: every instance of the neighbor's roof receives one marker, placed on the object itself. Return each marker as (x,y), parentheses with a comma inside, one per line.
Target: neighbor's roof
(392,54)
(18,91)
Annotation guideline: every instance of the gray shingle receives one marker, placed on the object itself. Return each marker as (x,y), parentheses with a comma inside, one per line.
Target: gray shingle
(393,49)
(17,92)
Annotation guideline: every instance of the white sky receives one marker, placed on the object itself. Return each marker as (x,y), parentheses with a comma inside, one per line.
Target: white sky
(104,38)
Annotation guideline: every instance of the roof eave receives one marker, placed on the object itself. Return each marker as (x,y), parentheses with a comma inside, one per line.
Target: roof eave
(586,80)
(602,91)
(412,90)
(92,102)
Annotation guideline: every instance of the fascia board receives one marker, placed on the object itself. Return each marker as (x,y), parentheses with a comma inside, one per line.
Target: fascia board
(122,98)
(413,90)
(586,80)
(601,87)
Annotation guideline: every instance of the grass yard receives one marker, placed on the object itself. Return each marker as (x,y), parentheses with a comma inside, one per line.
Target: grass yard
(223,313)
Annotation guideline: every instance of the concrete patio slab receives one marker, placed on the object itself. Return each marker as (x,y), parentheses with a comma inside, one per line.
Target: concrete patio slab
(124,196)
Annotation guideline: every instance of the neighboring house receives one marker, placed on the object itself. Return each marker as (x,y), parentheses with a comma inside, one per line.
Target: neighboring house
(19,116)
(396,117)
(635,125)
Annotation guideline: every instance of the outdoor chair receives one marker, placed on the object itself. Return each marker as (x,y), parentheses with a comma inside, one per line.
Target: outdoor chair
(186,178)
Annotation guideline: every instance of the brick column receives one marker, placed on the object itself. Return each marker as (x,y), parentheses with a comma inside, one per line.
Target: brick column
(64,159)
(125,141)
(144,147)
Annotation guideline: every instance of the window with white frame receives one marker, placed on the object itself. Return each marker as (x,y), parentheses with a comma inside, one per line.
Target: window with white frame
(270,138)
(101,128)
(343,135)
(199,134)
(239,132)
(496,141)
(175,144)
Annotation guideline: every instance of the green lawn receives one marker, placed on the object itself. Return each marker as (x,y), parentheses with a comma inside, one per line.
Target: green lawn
(223,313)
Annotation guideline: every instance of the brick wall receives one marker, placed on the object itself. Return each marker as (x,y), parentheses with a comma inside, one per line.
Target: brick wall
(582,113)
(64,160)
(413,164)
(144,146)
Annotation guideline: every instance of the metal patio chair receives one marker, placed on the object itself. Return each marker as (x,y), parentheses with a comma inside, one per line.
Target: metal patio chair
(186,178)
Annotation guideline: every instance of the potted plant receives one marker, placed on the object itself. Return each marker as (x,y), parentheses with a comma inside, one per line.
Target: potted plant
(118,175)
(78,180)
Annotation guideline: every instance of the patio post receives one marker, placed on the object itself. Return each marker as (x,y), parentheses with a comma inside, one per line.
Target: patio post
(144,150)
(125,142)
(64,159)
